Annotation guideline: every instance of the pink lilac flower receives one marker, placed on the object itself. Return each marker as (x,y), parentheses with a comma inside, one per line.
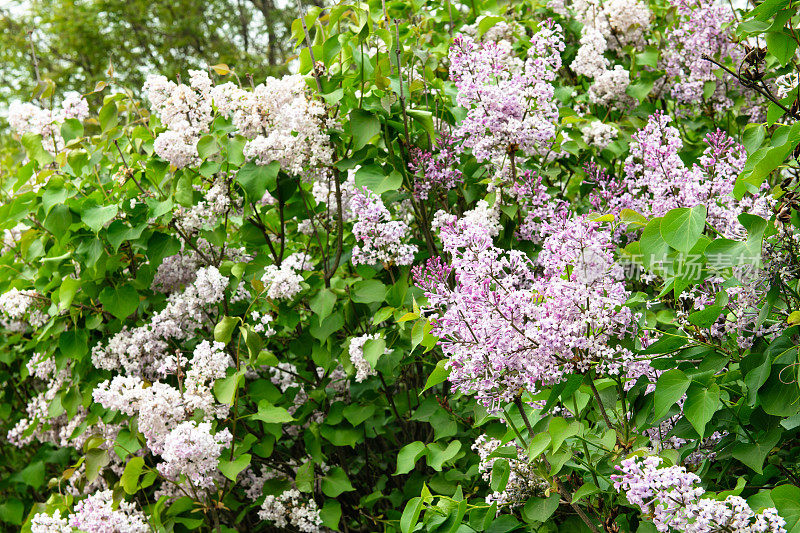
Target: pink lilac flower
(505,327)
(673,500)
(703,28)
(435,171)
(657,180)
(381,239)
(509,102)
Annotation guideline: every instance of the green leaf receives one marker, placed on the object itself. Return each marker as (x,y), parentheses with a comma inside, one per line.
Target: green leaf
(66,293)
(587,489)
(439,374)
(225,388)
(363,127)
(331,514)
(438,454)
(540,509)
(408,456)
(304,478)
(503,524)
(130,476)
(560,430)
(108,116)
(781,45)
(501,470)
(356,413)
(256,179)
(96,217)
(681,228)
(410,515)
(96,460)
(753,454)
(322,304)
(700,406)
(71,129)
(120,301)
(207,146)
(11,511)
(272,414)
(223,331)
(33,146)
(368,291)
(538,444)
(336,482)
(787,501)
(231,469)
(670,387)
(32,475)
(375,179)
(58,220)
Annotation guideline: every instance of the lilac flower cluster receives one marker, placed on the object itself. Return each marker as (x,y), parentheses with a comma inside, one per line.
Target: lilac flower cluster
(437,171)
(703,28)
(523,481)
(505,327)
(657,180)
(142,350)
(289,508)
(28,118)
(191,450)
(278,117)
(99,514)
(509,102)
(381,239)
(537,206)
(284,282)
(672,498)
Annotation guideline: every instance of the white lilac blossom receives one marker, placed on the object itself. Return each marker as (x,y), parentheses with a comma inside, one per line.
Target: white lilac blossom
(381,239)
(140,351)
(26,118)
(20,309)
(608,26)
(284,282)
(55,523)
(523,481)
(191,450)
(175,272)
(289,508)
(673,500)
(510,102)
(98,514)
(506,328)
(356,351)
(599,135)
(281,120)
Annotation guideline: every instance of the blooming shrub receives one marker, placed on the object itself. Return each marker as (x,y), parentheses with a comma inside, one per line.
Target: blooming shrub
(471,268)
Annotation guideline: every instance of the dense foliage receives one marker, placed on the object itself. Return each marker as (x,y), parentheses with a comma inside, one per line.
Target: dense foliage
(484,267)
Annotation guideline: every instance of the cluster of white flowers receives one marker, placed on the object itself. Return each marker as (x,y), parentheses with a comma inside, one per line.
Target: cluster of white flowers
(97,514)
(283,282)
(609,25)
(45,523)
(290,509)
(21,309)
(191,450)
(187,113)
(11,237)
(599,135)
(522,478)
(140,351)
(175,272)
(262,323)
(280,119)
(356,351)
(28,118)
(207,212)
